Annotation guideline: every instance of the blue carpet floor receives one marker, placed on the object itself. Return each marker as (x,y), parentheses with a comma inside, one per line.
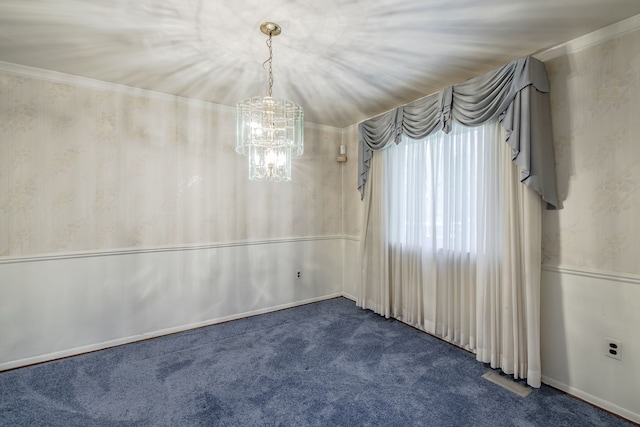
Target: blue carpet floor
(323,364)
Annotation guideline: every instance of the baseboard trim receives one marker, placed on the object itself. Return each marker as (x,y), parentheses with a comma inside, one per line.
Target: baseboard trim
(349,297)
(593,400)
(21,363)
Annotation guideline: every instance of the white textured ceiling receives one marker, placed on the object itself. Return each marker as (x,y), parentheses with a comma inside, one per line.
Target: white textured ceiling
(342,60)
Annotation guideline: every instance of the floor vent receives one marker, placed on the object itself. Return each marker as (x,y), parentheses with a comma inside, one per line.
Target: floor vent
(505,382)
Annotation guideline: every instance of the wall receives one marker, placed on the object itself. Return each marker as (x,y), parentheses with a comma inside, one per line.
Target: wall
(352,215)
(591,273)
(127,213)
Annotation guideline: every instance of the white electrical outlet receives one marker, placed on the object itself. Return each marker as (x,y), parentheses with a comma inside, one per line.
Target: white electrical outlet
(613,348)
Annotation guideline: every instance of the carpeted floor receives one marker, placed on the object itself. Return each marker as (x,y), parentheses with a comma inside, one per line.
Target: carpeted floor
(323,364)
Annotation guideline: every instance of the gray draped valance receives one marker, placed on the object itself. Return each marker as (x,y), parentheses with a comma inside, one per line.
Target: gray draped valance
(517,94)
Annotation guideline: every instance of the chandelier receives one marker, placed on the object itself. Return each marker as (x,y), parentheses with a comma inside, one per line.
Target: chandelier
(269,130)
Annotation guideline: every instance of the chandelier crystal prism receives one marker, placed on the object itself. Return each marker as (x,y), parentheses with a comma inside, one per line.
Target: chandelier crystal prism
(269,130)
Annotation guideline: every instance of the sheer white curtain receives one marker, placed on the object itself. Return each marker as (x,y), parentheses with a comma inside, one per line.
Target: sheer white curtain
(451,245)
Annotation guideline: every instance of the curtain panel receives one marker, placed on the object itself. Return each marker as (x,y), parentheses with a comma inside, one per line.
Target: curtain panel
(451,245)
(517,94)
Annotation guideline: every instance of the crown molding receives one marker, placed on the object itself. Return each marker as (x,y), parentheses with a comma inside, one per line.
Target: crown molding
(71,79)
(594,38)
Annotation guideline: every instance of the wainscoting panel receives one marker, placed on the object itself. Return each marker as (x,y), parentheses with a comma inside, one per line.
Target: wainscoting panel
(68,304)
(579,310)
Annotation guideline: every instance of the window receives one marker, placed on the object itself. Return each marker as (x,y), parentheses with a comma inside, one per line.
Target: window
(434,187)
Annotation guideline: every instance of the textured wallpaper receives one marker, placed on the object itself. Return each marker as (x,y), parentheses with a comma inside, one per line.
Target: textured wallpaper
(595,96)
(87,168)
(352,204)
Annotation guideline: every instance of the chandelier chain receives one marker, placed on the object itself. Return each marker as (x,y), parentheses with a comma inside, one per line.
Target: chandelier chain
(269,61)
